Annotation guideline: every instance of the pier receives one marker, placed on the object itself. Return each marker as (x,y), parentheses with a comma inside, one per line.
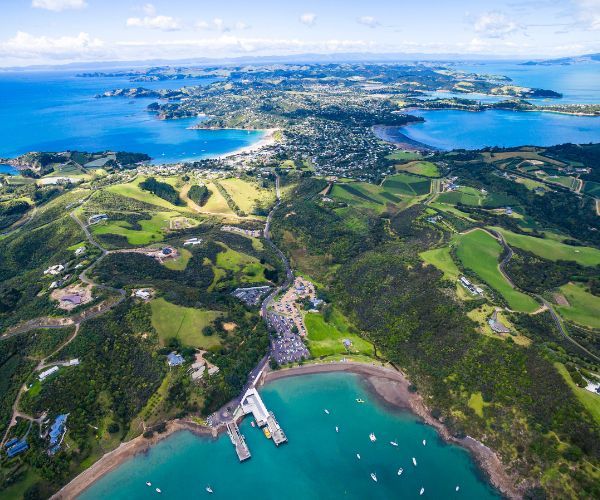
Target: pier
(237,439)
(252,403)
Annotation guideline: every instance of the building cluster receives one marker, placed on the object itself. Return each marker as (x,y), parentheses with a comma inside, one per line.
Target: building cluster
(253,233)
(251,296)
(473,289)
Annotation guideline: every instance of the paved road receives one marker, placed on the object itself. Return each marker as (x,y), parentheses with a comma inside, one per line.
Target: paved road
(555,317)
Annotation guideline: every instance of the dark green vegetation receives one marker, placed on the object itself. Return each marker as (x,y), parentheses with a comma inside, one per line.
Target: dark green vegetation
(543,431)
(162,190)
(199,194)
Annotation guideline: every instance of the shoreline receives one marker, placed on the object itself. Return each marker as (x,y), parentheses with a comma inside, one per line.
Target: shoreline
(388,384)
(268,139)
(400,140)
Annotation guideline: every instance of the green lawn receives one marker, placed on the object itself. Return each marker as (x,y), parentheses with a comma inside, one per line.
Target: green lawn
(583,308)
(407,184)
(551,249)
(251,270)
(586,398)
(133,190)
(326,338)
(181,262)
(480,252)
(152,229)
(246,194)
(185,323)
(441,258)
(425,168)
(464,194)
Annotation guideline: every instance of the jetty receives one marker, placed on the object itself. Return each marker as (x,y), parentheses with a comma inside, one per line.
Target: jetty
(238,441)
(252,403)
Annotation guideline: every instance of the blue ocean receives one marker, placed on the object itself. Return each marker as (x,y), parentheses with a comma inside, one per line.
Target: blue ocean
(57,111)
(317,462)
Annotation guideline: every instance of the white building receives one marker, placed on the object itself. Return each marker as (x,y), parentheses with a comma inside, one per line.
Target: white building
(46,373)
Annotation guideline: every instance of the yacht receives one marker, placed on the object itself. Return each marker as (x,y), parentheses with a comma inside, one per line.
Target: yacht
(326,411)
(414,461)
(422,491)
(209,489)
(148,483)
(400,471)
(372,437)
(394,443)
(424,442)
(158,490)
(373,476)
(358,456)
(457,488)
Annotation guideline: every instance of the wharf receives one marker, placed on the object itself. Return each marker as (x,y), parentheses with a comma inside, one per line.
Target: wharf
(252,403)
(237,439)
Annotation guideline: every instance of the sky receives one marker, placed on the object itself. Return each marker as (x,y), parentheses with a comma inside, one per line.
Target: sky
(63,31)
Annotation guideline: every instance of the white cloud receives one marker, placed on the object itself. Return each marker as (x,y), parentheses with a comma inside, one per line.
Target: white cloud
(58,5)
(308,18)
(149,9)
(217,24)
(495,25)
(588,13)
(25,45)
(240,25)
(164,23)
(369,21)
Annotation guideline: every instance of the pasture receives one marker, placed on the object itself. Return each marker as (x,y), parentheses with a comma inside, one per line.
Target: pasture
(583,307)
(441,258)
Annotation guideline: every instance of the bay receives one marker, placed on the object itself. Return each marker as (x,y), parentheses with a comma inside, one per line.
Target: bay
(57,111)
(317,462)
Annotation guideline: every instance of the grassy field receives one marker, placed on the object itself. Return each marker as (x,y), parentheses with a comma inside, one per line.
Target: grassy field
(441,258)
(246,194)
(583,308)
(407,184)
(181,262)
(586,398)
(184,323)
(551,249)
(424,168)
(404,155)
(464,194)
(480,252)
(152,231)
(216,204)
(592,188)
(133,190)
(231,260)
(326,338)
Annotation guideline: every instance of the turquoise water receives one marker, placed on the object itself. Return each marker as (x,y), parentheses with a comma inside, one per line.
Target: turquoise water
(317,462)
(57,111)
(451,129)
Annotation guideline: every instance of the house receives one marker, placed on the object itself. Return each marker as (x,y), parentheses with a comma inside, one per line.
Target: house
(94,219)
(143,294)
(198,373)
(72,299)
(174,359)
(72,362)
(46,373)
(508,211)
(213,369)
(57,432)
(496,325)
(347,343)
(192,242)
(16,448)
(54,270)
(79,251)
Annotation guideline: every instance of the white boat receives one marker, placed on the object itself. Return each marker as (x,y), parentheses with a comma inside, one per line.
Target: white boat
(393,443)
(158,490)
(424,442)
(209,489)
(422,491)
(373,476)
(372,437)
(253,424)
(326,411)
(457,488)
(358,456)
(337,429)
(414,461)
(360,400)
(148,483)
(400,471)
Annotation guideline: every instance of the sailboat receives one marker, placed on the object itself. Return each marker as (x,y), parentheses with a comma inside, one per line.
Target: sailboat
(422,491)
(424,442)
(400,471)
(414,461)
(372,437)
(373,476)
(209,489)
(394,443)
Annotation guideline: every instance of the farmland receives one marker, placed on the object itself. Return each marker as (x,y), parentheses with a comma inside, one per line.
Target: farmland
(583,307)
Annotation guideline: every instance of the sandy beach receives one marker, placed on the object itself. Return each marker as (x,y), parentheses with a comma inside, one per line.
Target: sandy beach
(267,139)
(387,383)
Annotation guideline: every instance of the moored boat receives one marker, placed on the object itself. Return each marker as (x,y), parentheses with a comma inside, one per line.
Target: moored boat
(148,483)
(326,411)
(394,443)
(358,456)
(424,442)
(337,429)
(209,489)
(158,490)
(373,476)
(414,461)
(358,400)
(422,491)
(372,437)
(400,471)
